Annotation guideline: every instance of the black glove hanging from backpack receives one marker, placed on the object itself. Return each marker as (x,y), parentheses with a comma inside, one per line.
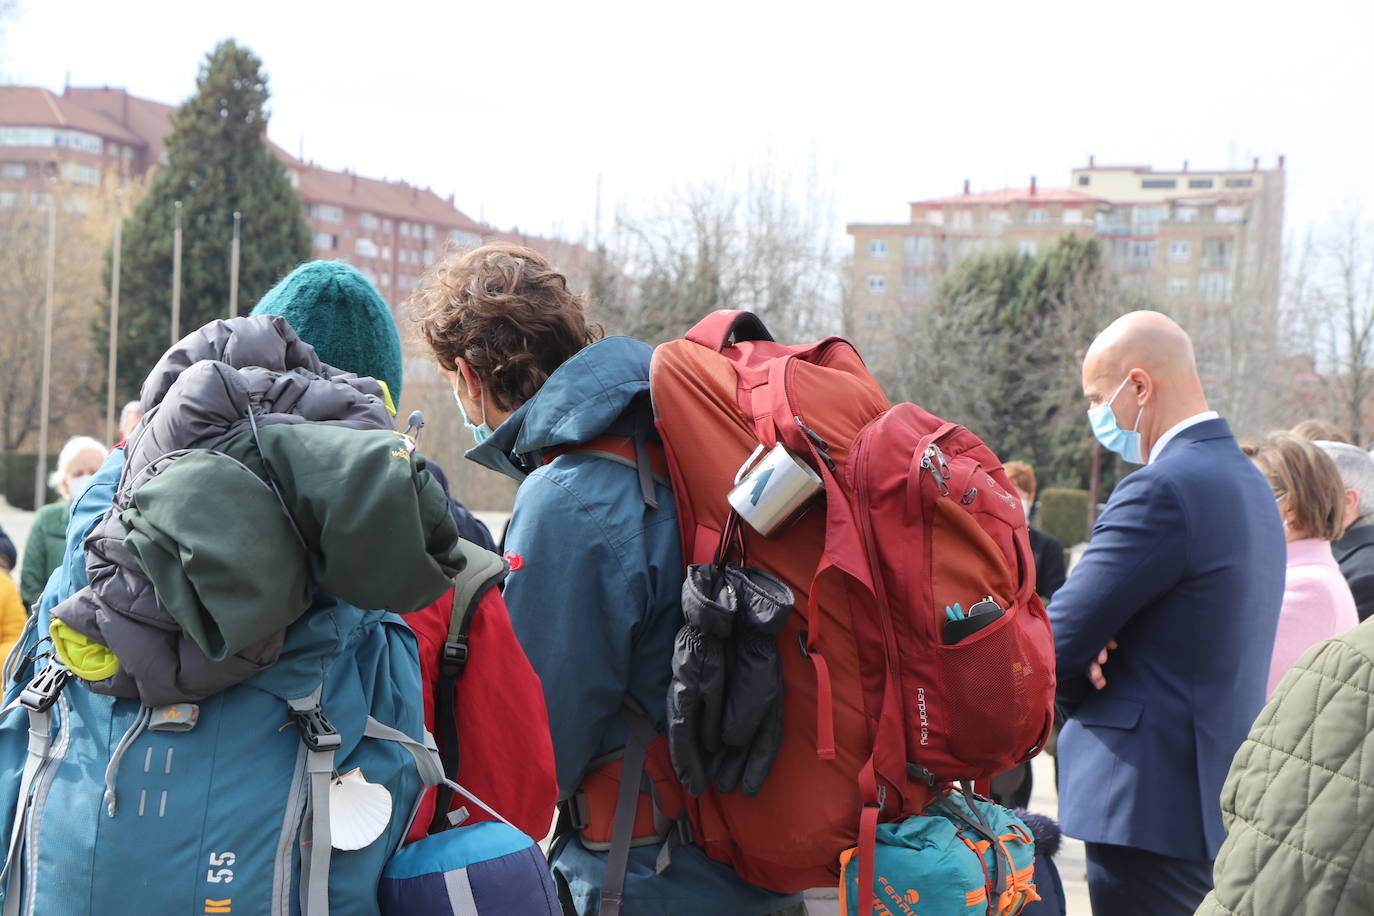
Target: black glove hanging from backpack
(752,728)
(696,694)
(725,701)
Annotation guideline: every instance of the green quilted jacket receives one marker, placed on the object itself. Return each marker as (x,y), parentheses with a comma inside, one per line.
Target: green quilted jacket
(1299,800)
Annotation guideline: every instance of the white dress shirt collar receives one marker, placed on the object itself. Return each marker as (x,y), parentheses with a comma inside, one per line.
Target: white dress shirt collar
(1158,448)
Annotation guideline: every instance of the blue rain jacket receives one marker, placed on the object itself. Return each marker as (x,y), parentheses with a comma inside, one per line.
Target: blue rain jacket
(594,596)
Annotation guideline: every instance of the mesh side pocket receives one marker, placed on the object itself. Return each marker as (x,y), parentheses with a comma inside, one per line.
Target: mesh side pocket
(991,723)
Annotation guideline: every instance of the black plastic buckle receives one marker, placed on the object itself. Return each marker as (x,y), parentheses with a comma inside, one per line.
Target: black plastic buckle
(577,812)
(453,658)
(802,637)
(316,731)
(43,690)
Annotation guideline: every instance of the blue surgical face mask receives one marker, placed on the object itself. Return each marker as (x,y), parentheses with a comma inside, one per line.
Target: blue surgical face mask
(479,432)
(1125,442)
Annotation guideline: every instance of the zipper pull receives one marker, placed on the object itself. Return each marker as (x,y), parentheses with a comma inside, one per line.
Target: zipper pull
(822,447)
(970,496)
(941,473)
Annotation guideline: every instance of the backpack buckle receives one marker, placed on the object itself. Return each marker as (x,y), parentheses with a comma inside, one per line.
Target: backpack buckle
(316,731)
(453,658)
(42,691)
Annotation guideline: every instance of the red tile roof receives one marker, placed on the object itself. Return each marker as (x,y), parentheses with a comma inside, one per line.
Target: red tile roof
(151,121)
(34,106)
(1013,195)
(395,199)
(119,116)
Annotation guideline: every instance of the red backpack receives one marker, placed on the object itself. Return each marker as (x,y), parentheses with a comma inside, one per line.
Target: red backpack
(880,713)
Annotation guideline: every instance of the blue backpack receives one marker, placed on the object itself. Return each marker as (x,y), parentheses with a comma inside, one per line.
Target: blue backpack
(110,807)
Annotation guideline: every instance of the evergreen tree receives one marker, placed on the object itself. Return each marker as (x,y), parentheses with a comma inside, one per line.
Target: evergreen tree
(218,162)
(999,347)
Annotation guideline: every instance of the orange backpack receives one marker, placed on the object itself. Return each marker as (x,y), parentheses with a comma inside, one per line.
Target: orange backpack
(881,714)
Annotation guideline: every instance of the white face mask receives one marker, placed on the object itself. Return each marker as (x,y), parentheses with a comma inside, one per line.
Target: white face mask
(77,484)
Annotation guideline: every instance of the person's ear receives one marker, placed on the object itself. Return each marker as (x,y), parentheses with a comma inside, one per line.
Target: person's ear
(1352,506)
(470,380)
(1142,383)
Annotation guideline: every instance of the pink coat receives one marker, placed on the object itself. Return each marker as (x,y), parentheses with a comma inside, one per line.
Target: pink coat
(1317,604)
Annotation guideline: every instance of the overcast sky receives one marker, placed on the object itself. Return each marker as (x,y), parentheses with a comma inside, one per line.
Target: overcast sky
(516,108)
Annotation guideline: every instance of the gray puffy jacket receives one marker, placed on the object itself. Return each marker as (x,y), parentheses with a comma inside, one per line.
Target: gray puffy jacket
(199,395)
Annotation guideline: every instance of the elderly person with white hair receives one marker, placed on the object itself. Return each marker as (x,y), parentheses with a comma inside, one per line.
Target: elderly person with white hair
(1354,549)
(128,419)
(78,461)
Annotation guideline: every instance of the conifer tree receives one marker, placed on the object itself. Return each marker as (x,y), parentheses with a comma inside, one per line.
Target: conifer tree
(218,162)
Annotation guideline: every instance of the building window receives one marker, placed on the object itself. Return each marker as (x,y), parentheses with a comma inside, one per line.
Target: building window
(963,219)
(1026,248)
(326,241)
(386,279)
(76,205)
(877,283)
(1200,183)
(1037,216)
(1185,214)
(917,250)
(429,232)
(9,199)
(1230,214)
(1084,180)
(935,216)
(1178,287)
(129,157)
(873,318)
(1146,220)
(459,237)
(1240,182)
(1180,251)
(1158,183)
(1214,288)
(998,218)
(1143,255)
(13,170)
(366,247)
(1216,253)
(40,199)
(877,248)
(386,252)
(429,256)
(368,221)
(405,228)
(1073,216)
(80,174)
(386,225)
(916,285)
(326,213)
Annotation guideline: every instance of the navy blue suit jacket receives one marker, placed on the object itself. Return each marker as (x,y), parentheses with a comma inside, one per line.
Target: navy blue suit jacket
(1185,570)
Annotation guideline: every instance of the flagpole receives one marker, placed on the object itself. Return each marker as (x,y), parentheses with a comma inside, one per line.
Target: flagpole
(176,278)
(234,270)
(41,469)
(115,258)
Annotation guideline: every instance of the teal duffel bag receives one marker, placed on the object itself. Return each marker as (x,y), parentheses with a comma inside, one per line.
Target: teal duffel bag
(962,856)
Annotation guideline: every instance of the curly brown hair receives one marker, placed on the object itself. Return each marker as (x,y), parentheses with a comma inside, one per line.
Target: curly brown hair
(508,313)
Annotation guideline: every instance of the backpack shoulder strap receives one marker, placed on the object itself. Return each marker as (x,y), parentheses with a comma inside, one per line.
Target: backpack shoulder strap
(482,571)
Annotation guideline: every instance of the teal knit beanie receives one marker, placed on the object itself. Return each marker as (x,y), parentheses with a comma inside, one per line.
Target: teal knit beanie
(334,308)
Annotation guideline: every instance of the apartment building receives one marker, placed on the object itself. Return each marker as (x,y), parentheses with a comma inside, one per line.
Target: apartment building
(391,230)
(1202,239)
